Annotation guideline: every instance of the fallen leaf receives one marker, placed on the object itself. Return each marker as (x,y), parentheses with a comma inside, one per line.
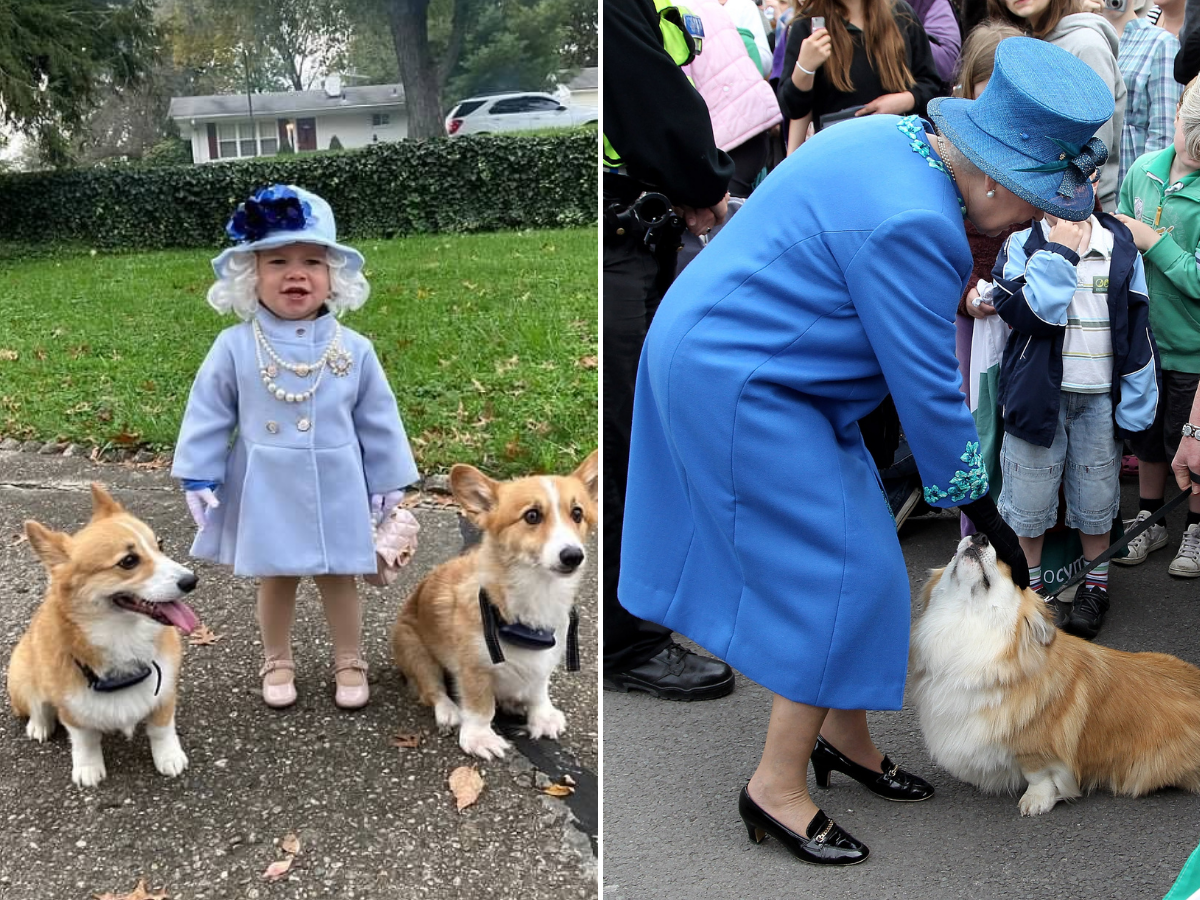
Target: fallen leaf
(203,636)
(277,869)
(138,893)
(406,741)
(290,844)
(19,538)
(466,784)
(558,790)
(587,362)
(478,387)
(567,779)
(9,355)
(127,438)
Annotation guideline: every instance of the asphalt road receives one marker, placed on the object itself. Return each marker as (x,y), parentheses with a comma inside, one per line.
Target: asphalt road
(672,772)
(373,820)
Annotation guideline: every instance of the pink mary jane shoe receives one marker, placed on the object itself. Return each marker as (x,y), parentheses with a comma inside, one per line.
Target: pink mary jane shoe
(278,694)
(350,675)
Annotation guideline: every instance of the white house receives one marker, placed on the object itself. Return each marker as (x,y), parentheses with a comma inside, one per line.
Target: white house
(584,88)
(232,126)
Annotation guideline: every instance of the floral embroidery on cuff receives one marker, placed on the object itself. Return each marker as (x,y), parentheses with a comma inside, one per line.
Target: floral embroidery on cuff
(965,485)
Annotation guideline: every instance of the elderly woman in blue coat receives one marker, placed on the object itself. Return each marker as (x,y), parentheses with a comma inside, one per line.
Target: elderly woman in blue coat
(291,439)
(755,520)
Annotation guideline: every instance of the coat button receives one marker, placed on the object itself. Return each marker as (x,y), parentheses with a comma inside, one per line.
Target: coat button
(300,332)
(273,427)
(304,424)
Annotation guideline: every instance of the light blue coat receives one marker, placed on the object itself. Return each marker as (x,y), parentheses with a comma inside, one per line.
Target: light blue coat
(293,501)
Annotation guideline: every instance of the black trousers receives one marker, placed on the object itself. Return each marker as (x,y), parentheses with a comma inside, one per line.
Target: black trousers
(634,283)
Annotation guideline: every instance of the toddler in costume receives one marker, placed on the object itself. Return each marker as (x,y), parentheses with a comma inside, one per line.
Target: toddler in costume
(318,450)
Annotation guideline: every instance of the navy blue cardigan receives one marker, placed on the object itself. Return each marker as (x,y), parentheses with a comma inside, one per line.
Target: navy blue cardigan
(1031,374)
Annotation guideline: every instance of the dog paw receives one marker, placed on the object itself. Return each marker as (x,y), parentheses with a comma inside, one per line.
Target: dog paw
(39,731)
(447,714)
(171,762)
(1036,801)
(482,742)
(89,775)
(546,723)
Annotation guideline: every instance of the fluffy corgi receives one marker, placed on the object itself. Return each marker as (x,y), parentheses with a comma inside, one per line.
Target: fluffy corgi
(499,618)
(1004,698)
(102,653)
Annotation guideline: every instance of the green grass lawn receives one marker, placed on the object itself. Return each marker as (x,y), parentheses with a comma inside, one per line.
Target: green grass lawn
(489,340)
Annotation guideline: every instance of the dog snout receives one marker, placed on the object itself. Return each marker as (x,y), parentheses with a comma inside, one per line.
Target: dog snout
(187,583)
(570,558)
(979,539)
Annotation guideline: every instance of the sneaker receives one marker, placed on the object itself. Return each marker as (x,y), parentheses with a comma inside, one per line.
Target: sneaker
(1059,608)
(1087,612)
(1186,563)
(1153,538)
(675,673)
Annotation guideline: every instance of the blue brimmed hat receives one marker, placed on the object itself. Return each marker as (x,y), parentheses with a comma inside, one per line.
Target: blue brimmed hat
(283,214)
(1033,127)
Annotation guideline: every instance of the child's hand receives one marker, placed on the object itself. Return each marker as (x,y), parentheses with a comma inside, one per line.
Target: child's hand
(199,503)
(1069,234)
(1143,235)
(383,504)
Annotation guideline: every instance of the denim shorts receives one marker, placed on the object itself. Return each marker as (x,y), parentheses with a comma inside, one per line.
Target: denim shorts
(1085,458)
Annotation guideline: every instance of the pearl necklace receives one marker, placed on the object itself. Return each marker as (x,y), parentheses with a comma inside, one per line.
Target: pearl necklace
(335,358)
(945,159)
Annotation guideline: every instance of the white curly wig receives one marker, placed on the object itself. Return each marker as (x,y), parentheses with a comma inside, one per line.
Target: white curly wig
(238,291)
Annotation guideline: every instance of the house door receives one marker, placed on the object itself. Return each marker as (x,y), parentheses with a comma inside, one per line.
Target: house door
(306,134)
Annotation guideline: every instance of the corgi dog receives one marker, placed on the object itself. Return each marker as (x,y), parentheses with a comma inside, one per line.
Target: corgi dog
(102,652)
(500,617)
(1005,698)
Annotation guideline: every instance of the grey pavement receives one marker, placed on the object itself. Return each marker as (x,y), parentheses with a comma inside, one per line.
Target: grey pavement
(672,773)
(373,820)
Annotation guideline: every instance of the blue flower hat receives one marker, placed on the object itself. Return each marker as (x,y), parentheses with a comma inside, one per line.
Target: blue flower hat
(283,214)
(1033,127)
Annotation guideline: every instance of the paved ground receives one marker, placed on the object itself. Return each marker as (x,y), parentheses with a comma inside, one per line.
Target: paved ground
(373,820)
(673,772)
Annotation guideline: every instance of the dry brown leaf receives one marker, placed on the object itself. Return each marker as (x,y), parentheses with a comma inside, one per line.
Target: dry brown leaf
(290,844)
(203,636)
(138,893)
(466,784)
(406,741)
(9,355)
(558,790)
(277,869)
(587,362)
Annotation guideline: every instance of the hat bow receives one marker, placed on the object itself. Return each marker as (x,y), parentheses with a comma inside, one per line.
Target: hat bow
(1077,162)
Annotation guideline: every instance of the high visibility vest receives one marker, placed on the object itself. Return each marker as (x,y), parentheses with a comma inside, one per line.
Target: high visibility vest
(682,36)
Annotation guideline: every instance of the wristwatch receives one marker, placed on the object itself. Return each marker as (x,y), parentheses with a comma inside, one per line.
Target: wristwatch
(1192,431)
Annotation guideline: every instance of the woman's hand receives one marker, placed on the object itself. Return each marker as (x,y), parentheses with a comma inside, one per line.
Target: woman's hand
(814,52)
(894,104)
(978,310)
(1143,235)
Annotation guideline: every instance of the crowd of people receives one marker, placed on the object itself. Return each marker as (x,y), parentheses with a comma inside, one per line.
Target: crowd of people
(1024,168)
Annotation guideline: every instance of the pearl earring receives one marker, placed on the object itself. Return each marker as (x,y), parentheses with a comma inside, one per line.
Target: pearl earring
(991,193)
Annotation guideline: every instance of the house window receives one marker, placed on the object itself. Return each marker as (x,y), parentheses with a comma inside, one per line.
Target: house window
(238,140)
(379,120)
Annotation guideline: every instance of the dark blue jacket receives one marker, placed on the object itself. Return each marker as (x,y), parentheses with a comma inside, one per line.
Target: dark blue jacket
(1033,287)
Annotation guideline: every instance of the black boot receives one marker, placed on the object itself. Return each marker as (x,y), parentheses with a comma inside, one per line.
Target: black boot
(675,673)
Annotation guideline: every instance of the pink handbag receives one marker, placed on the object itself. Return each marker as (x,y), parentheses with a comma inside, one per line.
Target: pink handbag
(395,544)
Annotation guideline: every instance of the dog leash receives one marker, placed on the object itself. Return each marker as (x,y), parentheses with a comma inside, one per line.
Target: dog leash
(1125,540)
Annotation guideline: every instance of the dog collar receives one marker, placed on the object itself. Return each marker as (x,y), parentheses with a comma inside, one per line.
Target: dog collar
(496,629)
(119,682)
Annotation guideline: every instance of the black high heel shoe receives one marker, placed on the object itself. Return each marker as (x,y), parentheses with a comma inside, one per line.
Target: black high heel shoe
(893,783)
(824,845)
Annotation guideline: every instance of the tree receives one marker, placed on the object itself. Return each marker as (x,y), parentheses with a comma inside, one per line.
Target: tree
(56,56)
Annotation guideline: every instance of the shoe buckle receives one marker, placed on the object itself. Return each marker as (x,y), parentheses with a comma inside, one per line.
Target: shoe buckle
(824,832)
(891,774)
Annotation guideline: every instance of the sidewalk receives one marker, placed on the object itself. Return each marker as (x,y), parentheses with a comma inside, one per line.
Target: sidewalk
(373,820)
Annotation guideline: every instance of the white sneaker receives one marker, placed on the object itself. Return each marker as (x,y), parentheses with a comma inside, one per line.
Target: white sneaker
(1153,538)
(1186,563)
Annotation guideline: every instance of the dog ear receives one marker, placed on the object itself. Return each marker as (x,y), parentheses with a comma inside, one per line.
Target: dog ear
(103,505)
(935,575)
(589,473)
(52,547)
(473,490)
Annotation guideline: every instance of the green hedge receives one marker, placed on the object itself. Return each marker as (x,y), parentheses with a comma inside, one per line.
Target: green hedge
(466,184)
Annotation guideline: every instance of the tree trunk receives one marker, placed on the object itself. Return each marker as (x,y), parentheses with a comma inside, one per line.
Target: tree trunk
(422,86)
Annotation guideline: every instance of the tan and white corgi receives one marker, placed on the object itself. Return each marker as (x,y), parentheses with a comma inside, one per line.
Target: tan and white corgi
(102,653)
(500,617)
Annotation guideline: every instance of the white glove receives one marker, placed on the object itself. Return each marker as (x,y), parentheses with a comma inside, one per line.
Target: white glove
(382,504)
(200,502)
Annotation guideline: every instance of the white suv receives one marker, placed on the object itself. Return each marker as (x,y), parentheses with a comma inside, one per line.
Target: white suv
(522,111)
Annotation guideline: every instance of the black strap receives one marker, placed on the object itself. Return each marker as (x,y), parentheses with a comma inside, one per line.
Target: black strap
(120,682)
(491,630)
(573,642)
(1120,545)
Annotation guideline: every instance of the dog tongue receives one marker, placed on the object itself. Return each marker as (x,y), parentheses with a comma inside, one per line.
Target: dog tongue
(180,615)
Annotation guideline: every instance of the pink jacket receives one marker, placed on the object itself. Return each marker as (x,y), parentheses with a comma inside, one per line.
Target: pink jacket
(740,102)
